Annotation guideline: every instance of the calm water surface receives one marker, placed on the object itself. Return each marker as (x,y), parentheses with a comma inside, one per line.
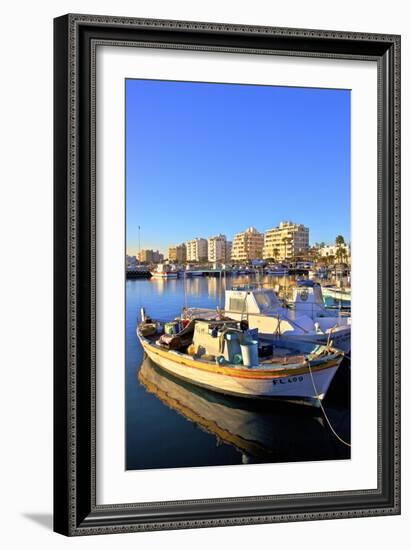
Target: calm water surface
(171,424)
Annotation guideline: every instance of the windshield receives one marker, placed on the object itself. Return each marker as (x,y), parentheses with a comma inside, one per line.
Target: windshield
(266,300)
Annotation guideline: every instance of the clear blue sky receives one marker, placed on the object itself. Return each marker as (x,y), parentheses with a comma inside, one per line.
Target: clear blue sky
(203,159)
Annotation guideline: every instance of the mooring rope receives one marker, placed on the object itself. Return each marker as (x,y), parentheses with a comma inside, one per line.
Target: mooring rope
(323,410)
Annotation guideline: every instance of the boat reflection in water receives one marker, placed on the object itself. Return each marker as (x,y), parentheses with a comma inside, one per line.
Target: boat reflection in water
(261,431)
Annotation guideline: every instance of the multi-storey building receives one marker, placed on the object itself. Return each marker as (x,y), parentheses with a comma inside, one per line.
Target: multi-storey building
(150,256)
(157,257)
(196,250)
(177,253)
(228,248)
(247,245)
(217,249)
(287,241)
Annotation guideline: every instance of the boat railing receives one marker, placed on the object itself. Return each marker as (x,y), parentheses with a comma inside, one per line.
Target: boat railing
(245,314)
(316,308)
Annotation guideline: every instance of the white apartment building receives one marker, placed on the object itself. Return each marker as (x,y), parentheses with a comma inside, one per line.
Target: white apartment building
(247,245)
(150,256)
(287,241)
(196,250)
(228,248)
(177,253)
(217,249)
(332,250)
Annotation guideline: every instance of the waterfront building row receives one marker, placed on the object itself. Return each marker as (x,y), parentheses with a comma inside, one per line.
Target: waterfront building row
(214,249)
(287,241)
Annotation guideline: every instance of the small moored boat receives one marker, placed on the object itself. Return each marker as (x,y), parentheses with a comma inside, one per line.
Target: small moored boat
(225,356)
(164,271)
(278,270)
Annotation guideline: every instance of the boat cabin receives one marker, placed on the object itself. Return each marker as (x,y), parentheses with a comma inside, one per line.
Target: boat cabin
(307,299)
(249,299)
(165,268)
(260,307)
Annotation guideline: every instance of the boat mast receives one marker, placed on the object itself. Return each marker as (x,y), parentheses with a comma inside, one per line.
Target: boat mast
(185,292)
(139,243)
(220,289)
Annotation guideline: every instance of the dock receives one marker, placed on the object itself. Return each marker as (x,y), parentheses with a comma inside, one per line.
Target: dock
(137,274)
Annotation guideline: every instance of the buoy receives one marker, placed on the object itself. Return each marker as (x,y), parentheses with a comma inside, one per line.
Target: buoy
(237,360)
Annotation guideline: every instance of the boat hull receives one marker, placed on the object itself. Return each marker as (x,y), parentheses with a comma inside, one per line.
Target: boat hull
(259,432)
(293,384)
(164,275)
(278,273)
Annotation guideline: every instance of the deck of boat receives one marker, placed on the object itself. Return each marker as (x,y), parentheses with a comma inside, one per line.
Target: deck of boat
(281,355)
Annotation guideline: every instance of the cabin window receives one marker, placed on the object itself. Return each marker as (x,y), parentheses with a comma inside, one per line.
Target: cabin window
(238,304)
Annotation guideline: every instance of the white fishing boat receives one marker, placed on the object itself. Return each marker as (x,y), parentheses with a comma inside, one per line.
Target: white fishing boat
(303,319)
(319,273)
(164,271)
(278,271)
(192,271)
(223,356)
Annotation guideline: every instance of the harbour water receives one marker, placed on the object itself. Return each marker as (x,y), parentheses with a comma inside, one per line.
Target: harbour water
(171,424)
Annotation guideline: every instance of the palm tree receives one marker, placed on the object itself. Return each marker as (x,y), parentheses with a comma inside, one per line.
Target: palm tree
(340,252)
(314,254)
(345,255)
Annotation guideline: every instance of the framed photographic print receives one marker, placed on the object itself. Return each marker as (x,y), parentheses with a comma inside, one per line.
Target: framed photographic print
(227,277)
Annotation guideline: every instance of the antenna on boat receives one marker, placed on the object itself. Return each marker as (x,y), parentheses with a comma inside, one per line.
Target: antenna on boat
(220,289)
(139,285)
(185,292)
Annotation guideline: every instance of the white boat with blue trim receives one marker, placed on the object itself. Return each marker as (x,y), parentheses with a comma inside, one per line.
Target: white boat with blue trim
(303,319)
